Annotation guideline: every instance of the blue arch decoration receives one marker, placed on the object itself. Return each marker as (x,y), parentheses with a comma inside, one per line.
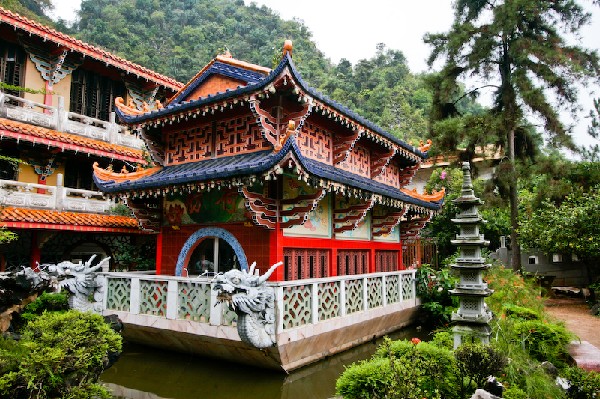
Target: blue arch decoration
(210,232)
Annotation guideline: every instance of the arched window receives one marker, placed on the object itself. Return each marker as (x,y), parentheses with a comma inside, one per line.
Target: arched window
(212,255)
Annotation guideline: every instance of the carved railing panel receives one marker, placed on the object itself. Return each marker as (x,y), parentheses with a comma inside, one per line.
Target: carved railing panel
(392,288)
(153,297)
(329,300)
(229,317)
(118,294)
(194,301)
(375,292)
(354,296)
(408,287)
(297,309)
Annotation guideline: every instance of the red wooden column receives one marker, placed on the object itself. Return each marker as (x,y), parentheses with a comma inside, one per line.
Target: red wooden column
(333,262)
(35,257)
(372,258)
(159,252)
(401,256)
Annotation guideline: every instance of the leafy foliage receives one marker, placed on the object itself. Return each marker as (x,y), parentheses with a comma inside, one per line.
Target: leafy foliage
(475,363)
(433,289)
(59,355)
(46,302)
(584,384)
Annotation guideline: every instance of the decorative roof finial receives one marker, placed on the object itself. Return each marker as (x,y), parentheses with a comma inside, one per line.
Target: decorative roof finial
(287,47)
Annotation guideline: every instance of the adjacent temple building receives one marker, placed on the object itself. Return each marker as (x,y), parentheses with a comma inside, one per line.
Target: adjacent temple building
(56,118)
(251,164)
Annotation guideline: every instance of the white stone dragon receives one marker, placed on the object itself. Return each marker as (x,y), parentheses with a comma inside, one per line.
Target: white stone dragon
(252,300)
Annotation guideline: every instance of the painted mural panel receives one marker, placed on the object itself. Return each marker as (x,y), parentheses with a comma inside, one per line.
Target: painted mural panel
(362,230)
(318,223)
(216,206)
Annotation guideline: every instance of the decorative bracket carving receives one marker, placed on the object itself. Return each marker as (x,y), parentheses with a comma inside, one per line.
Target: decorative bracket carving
(349,218)
(386,223)
(264,209)
(147,211)
(275,128)
(343,145)
(412,227)
(53,67)
(380,162)
(407,174)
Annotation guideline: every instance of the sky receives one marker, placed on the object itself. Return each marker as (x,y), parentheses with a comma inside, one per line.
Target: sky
(351,29)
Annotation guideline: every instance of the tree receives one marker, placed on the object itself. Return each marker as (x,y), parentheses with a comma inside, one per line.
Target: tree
(519,48)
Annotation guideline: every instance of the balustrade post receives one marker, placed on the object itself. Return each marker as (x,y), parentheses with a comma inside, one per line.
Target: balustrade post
(279,306)
(342,298)
(172,297)
(365,293)
(216,309)
(314,303)
(59,193)
(113,129)
(134,299)
(384,289)
(105,292)
(3,112)
(60,116)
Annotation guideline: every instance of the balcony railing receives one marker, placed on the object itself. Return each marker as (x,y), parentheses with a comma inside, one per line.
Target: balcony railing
(298,303)
(59,119)
(41,196)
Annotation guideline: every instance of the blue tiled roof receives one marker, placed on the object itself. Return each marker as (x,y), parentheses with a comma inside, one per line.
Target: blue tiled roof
(253,163)
(220,68)
(259,85)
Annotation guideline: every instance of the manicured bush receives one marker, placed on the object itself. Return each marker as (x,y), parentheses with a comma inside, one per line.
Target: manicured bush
(46,302)
(544,341)
(366,379)
(475,363)
(584,384)
(61,355)
(520,312)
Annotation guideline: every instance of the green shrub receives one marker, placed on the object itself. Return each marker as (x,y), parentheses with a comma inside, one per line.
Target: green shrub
(584,384)
(433,289)
(61,356)
(514,393)
(51,302)
(366,379)
(544,341)
(475,363)
(443,339)
(520,312)
(511,288)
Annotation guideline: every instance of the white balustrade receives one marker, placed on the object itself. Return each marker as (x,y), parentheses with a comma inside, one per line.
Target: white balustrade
(57,118)
(297,303)
(41,196)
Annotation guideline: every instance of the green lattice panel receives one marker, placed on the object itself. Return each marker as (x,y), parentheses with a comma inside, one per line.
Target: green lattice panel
(408,290)
(354,296)
(229,316)
(194,301)
(375,292)
(153,297)
(329,300)
(296,306)
(119,294)
(392,287)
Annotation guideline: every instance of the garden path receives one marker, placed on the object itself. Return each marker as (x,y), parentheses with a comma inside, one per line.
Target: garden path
(577,317)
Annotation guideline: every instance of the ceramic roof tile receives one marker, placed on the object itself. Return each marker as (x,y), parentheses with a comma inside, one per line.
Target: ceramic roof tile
(37,134)
(46,33)
(14,214)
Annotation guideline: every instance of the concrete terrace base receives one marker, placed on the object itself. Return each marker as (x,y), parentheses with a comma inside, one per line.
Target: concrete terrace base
(585,355)
(295,348)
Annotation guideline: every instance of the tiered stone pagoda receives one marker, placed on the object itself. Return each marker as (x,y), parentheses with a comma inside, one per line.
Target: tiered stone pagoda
(472,317)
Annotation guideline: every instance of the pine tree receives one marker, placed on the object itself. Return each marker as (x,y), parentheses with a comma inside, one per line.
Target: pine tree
(520,49)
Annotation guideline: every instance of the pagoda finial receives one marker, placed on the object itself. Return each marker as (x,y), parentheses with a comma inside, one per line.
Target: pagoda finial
(287,47)
(467,186)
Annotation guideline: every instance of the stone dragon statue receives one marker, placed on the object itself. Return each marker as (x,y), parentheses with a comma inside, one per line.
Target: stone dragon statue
(252,300)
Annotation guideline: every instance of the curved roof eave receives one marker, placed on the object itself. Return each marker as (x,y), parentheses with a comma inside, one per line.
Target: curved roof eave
(219,168)
(285,62)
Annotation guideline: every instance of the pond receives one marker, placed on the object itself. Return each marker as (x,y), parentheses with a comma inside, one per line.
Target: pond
(148,373)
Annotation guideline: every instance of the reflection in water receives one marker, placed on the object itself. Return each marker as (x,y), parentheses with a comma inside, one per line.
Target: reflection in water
(147,373)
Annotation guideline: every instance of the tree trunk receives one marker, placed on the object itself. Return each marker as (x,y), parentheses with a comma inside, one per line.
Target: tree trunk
(515,259)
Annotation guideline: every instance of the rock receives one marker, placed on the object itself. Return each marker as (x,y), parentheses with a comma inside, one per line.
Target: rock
(493,386)
(483,394)
(550,369)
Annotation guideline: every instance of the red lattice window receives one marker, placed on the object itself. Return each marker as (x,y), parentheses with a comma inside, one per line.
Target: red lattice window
(386,261)
(358,162)
(352,262)
(305,263)
(315,143)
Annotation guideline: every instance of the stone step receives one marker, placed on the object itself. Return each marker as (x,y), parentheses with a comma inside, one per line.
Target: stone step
(585,355)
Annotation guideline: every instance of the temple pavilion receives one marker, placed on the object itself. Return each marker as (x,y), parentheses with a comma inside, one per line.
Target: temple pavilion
(252,164)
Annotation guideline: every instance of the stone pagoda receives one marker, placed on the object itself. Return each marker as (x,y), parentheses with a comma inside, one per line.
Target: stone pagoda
(472,317)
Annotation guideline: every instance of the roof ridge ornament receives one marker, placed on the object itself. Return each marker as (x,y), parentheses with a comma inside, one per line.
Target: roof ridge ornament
(287,48)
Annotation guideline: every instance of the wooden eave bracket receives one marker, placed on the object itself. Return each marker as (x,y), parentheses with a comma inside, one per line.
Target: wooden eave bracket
(408,173)
(412,228)
(380,162)
(349,218)
(264,210)
(147,213)
(382,225)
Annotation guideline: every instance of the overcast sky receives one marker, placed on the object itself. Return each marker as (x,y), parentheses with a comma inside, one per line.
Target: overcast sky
(351,29)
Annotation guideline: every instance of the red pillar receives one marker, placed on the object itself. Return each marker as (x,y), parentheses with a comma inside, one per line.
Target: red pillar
(35,252)
(48,95)
(333,263)
(159,250)
(401,257)
(372,260)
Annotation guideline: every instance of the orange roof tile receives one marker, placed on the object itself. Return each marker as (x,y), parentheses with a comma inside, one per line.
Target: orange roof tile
(21,217)
(66,141)
(433,197)
(46,33)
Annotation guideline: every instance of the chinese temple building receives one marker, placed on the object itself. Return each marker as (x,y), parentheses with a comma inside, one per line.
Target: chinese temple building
(252,164)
